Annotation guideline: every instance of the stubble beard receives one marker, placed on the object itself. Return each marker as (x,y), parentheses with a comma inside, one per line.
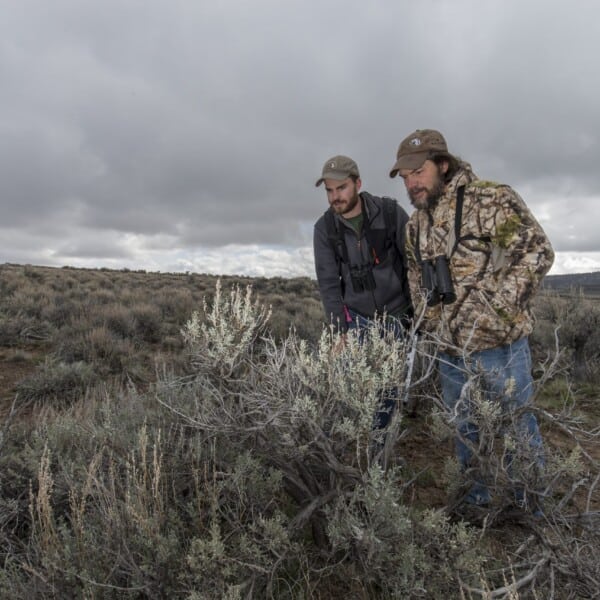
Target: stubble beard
(344,209)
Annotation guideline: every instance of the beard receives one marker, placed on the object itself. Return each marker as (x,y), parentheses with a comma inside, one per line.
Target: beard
(341,208)
(423,197)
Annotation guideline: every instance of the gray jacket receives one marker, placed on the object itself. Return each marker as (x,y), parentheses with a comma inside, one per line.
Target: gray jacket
(391,293)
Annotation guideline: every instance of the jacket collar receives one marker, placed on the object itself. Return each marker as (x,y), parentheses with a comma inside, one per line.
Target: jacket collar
(463,176)
(369,209)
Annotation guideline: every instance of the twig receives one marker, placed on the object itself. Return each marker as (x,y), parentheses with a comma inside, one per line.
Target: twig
(508,589)
(570,432)
(8,422)
(574,487)
(591,491)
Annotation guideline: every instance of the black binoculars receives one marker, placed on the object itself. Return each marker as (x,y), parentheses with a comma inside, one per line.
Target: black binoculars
(362,278)
(437,281)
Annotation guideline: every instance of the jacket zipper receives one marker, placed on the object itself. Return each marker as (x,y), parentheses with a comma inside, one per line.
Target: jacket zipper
(376,262)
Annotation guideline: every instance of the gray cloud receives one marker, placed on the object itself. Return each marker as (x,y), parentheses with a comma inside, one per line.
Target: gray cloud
(158,134)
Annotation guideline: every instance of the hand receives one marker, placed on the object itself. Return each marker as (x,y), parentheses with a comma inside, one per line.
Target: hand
(339,344)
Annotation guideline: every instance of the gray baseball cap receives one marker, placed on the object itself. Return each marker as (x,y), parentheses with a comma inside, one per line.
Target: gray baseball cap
(338,167)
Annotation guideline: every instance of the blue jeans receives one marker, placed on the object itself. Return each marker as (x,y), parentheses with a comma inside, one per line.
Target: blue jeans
(389,397)
(497,366)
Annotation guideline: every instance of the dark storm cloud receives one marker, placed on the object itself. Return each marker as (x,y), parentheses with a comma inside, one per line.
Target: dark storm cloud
(135,130)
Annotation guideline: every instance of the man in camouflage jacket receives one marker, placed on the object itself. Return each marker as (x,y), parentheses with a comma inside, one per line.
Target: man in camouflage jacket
(473,272)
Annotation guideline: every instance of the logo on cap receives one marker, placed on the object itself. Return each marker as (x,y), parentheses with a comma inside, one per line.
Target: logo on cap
(415,142)
(332,165)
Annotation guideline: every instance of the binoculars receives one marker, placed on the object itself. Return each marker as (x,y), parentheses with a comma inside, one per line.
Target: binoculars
(437,281)
(362,278)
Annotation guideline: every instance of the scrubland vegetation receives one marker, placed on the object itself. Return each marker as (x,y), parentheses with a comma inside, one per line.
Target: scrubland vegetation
(187,436)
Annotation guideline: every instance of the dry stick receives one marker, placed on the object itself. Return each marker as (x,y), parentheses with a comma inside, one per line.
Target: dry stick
(574,487)
(524,545)
(589,498)
(513,587)
(8,422)
(37,574)
(406,402)
(568,430)
(410,403)
(304,516)
(391,435)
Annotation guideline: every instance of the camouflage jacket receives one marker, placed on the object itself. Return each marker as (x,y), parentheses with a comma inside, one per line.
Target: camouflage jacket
(496,267)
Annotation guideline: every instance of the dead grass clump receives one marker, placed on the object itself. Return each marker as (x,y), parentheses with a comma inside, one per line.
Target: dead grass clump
(61,311)
(97,345)
(116,318)
(101,345)
(176,305)
(148,322)
(57,382)
(575,321)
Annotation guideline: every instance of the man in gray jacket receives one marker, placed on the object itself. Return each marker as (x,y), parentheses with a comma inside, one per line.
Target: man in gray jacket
(359,254)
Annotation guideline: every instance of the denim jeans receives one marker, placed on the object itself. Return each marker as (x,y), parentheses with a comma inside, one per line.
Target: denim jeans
(389,396)
(497,366)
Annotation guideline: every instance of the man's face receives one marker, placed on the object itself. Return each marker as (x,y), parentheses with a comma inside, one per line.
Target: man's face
(343,196)
(425,184)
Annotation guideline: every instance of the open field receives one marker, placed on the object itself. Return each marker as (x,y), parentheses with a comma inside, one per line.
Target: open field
(171,450)
(572,285)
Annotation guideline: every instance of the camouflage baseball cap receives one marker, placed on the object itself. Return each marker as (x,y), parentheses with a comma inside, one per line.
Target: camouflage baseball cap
(416,148)
(338,167)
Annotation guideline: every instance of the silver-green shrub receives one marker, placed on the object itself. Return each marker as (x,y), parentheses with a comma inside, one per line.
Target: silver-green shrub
(254,474)
(303,418)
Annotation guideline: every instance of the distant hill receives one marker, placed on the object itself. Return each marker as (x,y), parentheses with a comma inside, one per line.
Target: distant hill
(589,283)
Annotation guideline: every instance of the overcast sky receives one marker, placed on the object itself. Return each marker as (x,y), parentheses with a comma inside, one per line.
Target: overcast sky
(187,135)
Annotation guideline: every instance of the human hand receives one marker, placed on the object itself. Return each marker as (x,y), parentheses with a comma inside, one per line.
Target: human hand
(339,344)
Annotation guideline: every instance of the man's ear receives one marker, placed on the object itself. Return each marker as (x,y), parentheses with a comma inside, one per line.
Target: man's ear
(358,184)
(444,166)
